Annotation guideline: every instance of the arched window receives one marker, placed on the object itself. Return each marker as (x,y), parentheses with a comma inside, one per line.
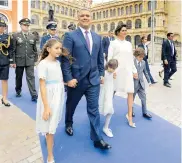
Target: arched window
(138,23)
(112,26)
(105,27)
(38,4)
(120,23)
(66,11)
(32,4)
(93,16)
(98,27)
(114,12)
(97,15)
(62,10)
(73,12)
(64,24)
(127,10)
(136,9)
(119,11)
(93,27)
(53,7)
(150,23)
(140,8)
(129,24)
(70,12)
(128,38)
(43,5)
(45,21)
(48,6)
(149,37)
(110,12)
(100,15)
(137,40)
(57,9)
(35,19)
(122,11)
(131,8)
(104,14)
(149,5)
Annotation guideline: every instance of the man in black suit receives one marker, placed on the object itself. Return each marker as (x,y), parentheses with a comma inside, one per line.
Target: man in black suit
(169,58)
(106,43)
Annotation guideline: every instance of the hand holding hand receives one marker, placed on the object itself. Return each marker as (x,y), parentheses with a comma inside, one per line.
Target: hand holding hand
(114,75)
(102,80)
(72,83)
(135,75)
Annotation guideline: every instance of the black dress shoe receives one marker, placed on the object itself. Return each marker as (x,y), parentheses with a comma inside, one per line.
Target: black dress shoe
(146,115)
(69,130)
(133,114)
(34,98)
(154,82)
(18,94)
(167,85)
(101,144)
(5,104)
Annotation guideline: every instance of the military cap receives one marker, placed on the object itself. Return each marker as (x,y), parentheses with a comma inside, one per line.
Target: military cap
(72,26)
(25,21)
(2,23)
(51,25)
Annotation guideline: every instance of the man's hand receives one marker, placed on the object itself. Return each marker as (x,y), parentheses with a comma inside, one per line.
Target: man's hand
(114,75)
(13,65)
(165,62)
(72,83)
(102,80)
(135,75)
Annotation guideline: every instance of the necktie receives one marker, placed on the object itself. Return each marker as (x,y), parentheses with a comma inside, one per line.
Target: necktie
(172,46)
(139,65)
(87,40)
(25,35)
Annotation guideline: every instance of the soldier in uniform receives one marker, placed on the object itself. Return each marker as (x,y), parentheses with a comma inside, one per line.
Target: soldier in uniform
(51,27)
(71,27)
(25,52)
(6,60)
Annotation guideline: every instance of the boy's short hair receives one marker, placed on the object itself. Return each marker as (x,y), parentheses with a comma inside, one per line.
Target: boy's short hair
(139,52)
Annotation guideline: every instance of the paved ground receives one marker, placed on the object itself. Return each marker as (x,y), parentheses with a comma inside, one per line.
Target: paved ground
(20,144)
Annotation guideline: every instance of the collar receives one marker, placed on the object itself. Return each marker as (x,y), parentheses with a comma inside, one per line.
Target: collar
(83,30)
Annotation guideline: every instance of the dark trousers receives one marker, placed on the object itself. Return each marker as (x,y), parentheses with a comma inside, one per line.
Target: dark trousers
(29,77)
(169,69)
(92,95)
(148,71)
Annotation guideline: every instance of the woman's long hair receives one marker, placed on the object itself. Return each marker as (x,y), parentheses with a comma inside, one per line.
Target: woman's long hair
(49,44)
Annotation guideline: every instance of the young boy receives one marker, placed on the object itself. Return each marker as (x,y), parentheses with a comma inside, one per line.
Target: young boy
(139,84)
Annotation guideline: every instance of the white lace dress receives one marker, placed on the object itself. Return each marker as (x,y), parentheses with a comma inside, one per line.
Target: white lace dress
(51,72)
(106,95)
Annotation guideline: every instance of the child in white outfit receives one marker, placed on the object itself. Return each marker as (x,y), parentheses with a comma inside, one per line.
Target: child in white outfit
(106,95)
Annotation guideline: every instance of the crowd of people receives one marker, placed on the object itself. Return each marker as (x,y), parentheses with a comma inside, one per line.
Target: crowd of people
(86,64)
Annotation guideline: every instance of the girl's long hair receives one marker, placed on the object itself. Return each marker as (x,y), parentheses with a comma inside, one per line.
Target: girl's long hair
(49,44)
(113,63)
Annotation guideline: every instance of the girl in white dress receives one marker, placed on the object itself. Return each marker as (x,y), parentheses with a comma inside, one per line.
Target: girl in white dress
(51,93)
(106,95)
(121,50)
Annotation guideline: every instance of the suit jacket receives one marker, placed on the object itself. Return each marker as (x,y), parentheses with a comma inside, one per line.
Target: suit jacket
(85,63)
(167,51)
(24,49)
(141,70)
(146,55)
(45,39)
(105,44)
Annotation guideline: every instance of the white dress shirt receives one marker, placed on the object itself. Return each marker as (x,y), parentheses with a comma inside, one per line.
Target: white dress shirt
(89,36)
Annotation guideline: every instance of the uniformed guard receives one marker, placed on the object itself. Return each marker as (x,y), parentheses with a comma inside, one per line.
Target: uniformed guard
(25,51)
(6,59)
(51,27)
(71,27)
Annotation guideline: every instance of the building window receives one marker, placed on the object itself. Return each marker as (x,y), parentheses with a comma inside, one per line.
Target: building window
(140,8)
(62,10)
(57,9)
(107,14)
(54,6)
(150,23)
(93,27)
(119,11)
(112,26)
(70,12)
(3,17)
(105,27)
(149,6)
(93,16)
(138,23)
(128,38)
(137,40)
(104,14)
(74,13)
(35,19)
(136,9)
(114,12)
(120,23)
(4,3)
(149,37)
(64,24)
(131,8)
(110,12)
(43,5)
(98,27)
(32,4)
(66,11)
(127,10)
(129,24)
(45,21)
(38,4)
(97,15)
(122,11)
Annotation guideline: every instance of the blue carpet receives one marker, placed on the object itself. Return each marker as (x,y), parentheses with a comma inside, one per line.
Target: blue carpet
(153,141)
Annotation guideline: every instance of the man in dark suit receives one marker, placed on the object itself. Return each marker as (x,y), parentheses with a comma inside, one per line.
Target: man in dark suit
(25,52)
(145,47)
(83,77)
(51,27)
(169,58)
(106,43)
